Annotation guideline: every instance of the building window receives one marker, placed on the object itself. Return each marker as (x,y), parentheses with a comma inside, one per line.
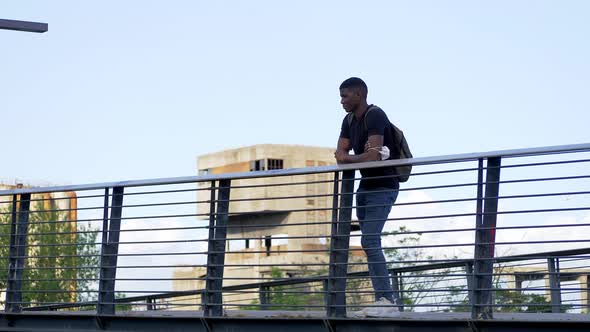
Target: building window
(204,171)
(275,164)
(257,165)
(247,243)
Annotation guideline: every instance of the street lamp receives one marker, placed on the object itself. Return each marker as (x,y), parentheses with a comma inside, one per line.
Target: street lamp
(23,26)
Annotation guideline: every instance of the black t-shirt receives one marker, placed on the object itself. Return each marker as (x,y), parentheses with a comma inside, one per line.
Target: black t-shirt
(377,124)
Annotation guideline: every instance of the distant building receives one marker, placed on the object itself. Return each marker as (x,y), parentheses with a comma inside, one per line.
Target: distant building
(66,202)
(567,277)
(261,223)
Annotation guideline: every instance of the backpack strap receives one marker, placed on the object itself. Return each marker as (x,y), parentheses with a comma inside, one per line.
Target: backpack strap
(396,142)
(349,116)
(367,113)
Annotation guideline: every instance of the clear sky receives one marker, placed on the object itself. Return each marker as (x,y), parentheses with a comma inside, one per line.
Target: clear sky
(120,90)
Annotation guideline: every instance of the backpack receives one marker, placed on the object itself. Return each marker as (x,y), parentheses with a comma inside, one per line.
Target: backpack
(400,150)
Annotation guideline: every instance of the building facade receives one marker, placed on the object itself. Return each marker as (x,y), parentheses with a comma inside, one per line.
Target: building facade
(277,225)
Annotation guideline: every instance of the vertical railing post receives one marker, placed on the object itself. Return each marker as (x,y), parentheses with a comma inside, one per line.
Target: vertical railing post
(485,238)
(325,288)
(203,296)
(339,245)
(469,277)
(396,286)
(151,303)
(216,249)
(478,221)
(210,257)
(103,244)
(554,284)
(17,251)
(329,283)
(264,297)
(109,251)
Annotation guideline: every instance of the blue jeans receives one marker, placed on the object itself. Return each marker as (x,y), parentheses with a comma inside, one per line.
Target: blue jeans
(372,209)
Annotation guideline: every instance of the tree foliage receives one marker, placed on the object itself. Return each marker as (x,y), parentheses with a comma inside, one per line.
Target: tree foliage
(506,301)
(61,262)
(438,288)
(416,286)
(290,297)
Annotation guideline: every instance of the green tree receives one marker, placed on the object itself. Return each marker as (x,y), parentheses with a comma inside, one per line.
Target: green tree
(62,258)
(417,288)
(510,301)
(287,298)
(506,300)
(514,301)
(88,263)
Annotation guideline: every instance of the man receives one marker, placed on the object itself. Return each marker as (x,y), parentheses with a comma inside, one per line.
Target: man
(367,133)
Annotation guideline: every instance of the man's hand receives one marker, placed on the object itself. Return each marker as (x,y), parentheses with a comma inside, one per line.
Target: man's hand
(341,156)
(371,153)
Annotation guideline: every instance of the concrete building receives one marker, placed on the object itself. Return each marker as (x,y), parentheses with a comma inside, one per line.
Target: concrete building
(516,276)
(268,229)
(65,201)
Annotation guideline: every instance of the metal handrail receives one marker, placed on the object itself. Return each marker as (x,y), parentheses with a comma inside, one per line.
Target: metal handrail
(310,170)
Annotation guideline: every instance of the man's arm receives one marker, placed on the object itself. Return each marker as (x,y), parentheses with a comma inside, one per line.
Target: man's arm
(342,149)
(342,156)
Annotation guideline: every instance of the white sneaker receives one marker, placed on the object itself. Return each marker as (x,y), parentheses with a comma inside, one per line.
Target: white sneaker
(381,308)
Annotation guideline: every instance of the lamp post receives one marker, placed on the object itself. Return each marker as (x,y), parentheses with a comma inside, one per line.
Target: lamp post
(23,26)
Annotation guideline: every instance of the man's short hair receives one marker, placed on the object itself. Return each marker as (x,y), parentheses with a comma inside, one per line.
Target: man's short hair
(354,83)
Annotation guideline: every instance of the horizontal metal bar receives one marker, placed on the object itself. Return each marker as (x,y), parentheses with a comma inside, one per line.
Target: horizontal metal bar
(82,197)
(312,182)
(312,250)
(312,209)
(327,222)
(414,322)
(33,212)
(401,233)
(312,170)
(25,26)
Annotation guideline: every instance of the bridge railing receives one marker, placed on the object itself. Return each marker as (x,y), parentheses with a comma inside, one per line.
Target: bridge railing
(502,231)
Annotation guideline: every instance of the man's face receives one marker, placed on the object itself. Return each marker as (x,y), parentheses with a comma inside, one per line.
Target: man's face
(350,99)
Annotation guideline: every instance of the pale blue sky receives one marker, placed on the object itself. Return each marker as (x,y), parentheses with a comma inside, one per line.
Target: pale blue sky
(120,90)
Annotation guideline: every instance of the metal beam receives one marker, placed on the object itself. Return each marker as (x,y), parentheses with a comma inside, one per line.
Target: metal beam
(485,238)
(554,284)
(17,252)
(216,249)
(264,297)
(189,321)
(339,244)
(23,26)
(309,170)
(397,284)
(469,277)
(108,258)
